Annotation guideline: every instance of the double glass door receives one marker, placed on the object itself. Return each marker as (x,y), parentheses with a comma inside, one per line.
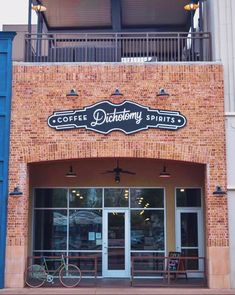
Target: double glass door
(116,248)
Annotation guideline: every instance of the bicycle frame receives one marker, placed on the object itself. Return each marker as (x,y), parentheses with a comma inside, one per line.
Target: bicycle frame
(51,273)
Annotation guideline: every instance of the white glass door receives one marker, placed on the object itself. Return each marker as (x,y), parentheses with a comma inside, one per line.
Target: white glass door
(189,238)
(116,249)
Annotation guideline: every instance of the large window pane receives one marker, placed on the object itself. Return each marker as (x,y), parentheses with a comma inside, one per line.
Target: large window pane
(85,198)
(50,229)
(50,198)
(115,197)
(85,229)
(147,198)
(189,229)
(188,197)
(143,262)
(116,241)
(192,264)
(52,265)
(147,230)
(87,262)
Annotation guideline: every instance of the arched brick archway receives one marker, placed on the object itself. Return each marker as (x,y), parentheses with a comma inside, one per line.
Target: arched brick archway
(152,150)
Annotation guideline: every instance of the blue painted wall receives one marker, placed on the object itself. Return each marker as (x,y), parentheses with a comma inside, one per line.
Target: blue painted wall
(5,107)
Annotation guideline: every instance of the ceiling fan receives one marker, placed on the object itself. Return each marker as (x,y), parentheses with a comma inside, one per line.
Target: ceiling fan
(117,171)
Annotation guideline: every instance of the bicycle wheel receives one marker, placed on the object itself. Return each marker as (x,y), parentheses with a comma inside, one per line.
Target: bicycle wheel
(70,275)
(35,276)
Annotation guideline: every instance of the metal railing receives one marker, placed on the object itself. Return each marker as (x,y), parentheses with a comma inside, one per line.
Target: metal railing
(190,271)
(118,47)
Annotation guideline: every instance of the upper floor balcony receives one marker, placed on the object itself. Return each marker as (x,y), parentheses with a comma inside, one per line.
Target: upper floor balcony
(118,47)
(117,31)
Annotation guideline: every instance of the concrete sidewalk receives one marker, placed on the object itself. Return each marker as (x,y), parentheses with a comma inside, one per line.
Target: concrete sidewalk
(117,291)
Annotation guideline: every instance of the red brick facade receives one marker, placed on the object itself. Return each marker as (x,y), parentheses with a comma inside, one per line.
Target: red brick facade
(195,90)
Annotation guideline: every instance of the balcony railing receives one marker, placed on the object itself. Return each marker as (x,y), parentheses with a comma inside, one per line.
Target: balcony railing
(118,47)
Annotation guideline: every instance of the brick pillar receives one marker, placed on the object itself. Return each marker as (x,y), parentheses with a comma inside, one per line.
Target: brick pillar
(17,236)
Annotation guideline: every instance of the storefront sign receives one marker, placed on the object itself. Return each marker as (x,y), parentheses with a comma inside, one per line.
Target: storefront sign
(128,117)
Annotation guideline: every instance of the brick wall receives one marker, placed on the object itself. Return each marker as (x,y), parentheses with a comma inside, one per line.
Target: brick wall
(195,90)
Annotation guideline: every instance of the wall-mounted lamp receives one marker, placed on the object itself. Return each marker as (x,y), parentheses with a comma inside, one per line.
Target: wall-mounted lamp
(164,173)
(72,93)
(71,173)
(117,93)
(218,192)
(16,192)
(162,92)
(191,6)
(39,8)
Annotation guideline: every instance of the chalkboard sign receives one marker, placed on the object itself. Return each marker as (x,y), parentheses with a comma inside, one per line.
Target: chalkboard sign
(174,260)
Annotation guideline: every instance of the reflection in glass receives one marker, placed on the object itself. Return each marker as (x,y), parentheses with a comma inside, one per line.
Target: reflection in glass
(157,263)
(50,198)
(147,230)
(191,264)
(87,264)
(116,241)
(188,197)
(50,229)
(85,229)
(85,198)
(189,230)
(52,265)
(116,258)
(115,197)
(147,198)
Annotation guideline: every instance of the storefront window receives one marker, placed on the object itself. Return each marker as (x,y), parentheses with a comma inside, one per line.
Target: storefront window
(147,230)
(85,229)
(70,221)
(114,197)
(50,229)
(143,263)
(50,198)
(147,198)
(85,198)
(188,197)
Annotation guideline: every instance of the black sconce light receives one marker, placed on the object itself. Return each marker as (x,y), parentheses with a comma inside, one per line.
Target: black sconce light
(71,173)
(117,93)
(218,192)
(72,93)
(162,92)
(164,173)
(16,192)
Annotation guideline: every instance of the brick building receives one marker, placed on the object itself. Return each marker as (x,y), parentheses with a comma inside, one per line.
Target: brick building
(117,144)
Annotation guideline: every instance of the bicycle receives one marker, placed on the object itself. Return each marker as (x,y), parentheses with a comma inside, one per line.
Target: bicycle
(37,274)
